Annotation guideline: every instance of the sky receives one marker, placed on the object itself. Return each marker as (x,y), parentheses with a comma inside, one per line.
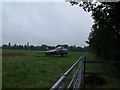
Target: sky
(49,23)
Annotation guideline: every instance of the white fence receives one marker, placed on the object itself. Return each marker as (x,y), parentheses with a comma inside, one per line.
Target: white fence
(78,78)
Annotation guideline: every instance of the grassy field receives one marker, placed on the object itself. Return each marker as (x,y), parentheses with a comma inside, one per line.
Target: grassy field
(32,69)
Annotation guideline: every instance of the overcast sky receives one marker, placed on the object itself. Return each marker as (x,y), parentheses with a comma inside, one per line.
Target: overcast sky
(50,23)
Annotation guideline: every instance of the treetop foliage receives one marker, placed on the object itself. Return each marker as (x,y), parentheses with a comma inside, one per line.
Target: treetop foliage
(104,39)
(44,47)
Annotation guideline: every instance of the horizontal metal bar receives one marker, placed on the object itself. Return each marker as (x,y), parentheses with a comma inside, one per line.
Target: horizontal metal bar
(58,83)
(72,79)
(79,68)
(70,83)
(93,61)
(76,82)
(71,68)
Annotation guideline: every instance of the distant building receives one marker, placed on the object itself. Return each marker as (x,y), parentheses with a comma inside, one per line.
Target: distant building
(28,46)
(9,44)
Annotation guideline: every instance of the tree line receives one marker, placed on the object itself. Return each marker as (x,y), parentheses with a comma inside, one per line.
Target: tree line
(44,47)
(104,38)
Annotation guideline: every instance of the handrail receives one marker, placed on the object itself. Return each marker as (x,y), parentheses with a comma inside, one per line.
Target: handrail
(61,80)
(74,76)
(79,74)
(68,71)
(58,83)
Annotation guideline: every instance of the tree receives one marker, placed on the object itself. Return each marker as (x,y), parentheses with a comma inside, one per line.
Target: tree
(104,38)
(105,35)
(43,47)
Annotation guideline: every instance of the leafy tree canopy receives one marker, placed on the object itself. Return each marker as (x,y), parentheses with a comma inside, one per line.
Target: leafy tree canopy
(104,38)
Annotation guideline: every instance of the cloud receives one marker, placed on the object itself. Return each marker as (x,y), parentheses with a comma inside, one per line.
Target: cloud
(45,23)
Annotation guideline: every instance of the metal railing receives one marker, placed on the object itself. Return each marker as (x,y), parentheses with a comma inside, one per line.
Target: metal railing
(78,78)
(79,70)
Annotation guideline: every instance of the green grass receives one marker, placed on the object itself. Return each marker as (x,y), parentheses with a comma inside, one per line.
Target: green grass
(32,69)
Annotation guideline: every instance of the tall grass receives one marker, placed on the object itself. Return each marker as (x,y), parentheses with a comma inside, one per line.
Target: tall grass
(32,69)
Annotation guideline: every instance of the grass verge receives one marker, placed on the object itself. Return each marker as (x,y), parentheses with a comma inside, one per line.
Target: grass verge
(32,69)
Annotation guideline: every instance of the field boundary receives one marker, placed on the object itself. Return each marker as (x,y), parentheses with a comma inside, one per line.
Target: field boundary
(78,78)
